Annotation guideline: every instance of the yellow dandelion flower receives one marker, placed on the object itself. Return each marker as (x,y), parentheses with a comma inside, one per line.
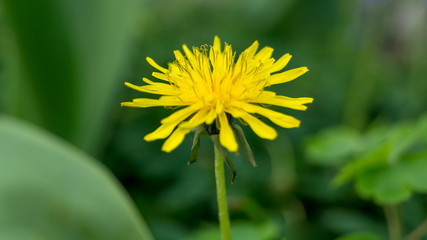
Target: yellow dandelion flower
(213,88)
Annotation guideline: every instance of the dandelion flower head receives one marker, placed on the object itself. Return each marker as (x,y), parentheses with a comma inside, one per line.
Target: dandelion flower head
(210,87)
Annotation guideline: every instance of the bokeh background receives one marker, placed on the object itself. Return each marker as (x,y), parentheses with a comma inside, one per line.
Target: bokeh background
(62,71)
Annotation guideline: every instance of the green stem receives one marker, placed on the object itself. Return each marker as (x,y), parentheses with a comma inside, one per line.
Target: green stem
(393,222)
(224,219)
(418,233)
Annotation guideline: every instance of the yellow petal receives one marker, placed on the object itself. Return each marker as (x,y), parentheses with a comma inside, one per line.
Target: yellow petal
(226,135)
(155,88)
(267,64)
(166,101)
(211,116)
(250,51)
(129,104)
(161,132)
(261,129)
(268,94)
(184,128)
(148,102)
(155,65)
(281,63)
(175,139)
(196,120)
(264,54)
(178,55)
(280,119)
(217,44)
(219,107)
(182,114)
(169,123)
(160,76)
(286,76)
(190,55)
(283,101)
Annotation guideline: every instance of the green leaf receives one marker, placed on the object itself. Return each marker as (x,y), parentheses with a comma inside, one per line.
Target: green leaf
(333,146)
(414,171)
(422,127)
(373,159)
(385,186)
(51,190)
(402,137)
(392,164)
(392,183)
(67,56)
(374,138)
(360,236)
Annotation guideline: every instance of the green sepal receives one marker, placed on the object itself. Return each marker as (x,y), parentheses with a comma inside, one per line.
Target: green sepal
(217,125)
(170,107)
(200,130)
(215,140)
(247,151)
(243,122)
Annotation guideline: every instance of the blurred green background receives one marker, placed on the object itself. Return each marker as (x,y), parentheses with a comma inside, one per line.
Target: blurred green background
(73,164)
